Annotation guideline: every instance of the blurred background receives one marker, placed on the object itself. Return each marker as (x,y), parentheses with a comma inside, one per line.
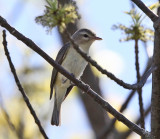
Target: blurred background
(79,120)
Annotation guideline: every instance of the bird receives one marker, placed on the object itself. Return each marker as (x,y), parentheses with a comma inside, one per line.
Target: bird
(74,63)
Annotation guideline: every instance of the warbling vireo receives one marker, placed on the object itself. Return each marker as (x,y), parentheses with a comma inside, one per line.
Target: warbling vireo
(74,63)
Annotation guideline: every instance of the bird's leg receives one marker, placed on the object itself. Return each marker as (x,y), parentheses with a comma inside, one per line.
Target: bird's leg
(88,89)
(71,81)
(64,81)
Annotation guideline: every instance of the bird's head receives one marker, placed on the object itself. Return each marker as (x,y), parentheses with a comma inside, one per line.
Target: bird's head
(84,37)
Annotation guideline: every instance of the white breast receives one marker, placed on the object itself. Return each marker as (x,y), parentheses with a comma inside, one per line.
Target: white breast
(74,63)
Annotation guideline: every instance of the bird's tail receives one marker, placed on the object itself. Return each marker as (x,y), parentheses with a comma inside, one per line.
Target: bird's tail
(56,114)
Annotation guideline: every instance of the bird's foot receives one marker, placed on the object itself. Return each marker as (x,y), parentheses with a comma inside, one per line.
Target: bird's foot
(64,81)
(87,89)
(71,81)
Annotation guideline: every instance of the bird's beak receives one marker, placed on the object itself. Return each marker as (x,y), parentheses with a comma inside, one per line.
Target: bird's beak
(97,38)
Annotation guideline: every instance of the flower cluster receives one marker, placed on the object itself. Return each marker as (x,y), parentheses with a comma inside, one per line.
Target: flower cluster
(58,15)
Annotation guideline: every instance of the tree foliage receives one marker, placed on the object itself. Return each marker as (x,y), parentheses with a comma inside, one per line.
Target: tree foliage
(136,31)
(58,15)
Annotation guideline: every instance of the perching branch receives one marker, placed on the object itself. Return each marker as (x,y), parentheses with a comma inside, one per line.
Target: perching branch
(80,84)
(21,88)
(146,10)
(110,75)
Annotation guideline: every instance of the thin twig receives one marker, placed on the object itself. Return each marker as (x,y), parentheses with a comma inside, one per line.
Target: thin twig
(146,10)
(140,89)
(140,84)
(21,88)
(79,83)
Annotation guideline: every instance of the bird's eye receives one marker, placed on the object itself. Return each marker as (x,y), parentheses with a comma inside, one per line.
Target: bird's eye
(85,35)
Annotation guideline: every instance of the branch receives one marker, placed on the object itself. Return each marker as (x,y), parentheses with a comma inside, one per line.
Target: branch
(80,84)
(140,84)
(21,88)
(155,103)
(106,131)
(127,133)
(146,10)
(140,89)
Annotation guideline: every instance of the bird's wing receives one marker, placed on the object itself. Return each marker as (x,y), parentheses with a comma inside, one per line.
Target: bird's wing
(60,56)
(68,90)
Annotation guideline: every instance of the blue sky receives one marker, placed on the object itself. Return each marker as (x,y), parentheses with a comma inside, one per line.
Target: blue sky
(119,56)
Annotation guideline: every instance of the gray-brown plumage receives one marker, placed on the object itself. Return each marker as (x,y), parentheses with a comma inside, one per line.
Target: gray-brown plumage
(73,63)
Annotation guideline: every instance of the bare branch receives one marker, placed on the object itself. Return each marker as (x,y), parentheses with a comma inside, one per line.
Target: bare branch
(139,90)
(80,84)
(106,131)
(21,88)
(140,84)
(155,101)
(127,133)
(146,10)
